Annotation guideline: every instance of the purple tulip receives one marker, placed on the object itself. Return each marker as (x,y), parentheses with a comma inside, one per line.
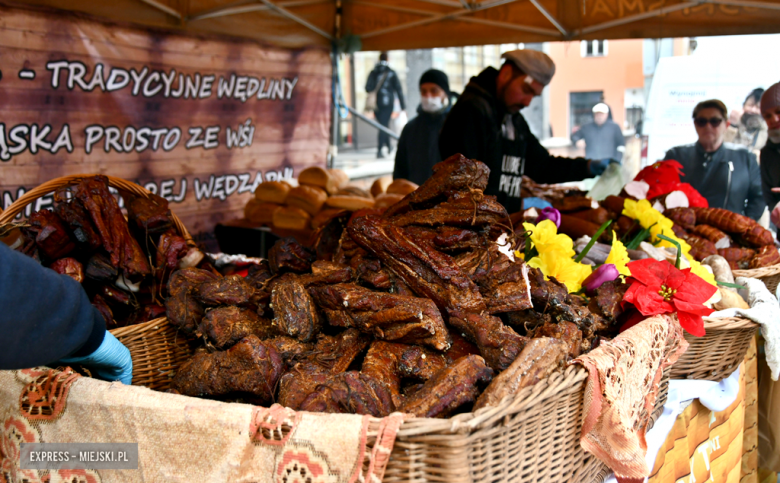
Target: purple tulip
(605,273)
(550,214)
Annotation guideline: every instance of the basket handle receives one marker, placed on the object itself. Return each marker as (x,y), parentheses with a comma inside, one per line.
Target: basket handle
(50,186)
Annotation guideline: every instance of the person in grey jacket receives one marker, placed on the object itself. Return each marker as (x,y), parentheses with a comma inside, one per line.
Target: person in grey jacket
(727,175)
(385,81)
(602,138)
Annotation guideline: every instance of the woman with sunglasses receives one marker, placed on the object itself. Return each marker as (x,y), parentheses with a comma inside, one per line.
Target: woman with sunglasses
(724,173)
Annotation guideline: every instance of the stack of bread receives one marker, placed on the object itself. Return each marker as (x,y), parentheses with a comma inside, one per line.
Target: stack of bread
(320,195)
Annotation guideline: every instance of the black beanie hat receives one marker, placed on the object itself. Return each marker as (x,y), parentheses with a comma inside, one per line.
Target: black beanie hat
(436,77)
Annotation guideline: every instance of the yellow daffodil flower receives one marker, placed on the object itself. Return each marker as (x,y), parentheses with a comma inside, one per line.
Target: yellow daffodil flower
(564,269)
(618,256)
(699,270)
(545,238)
(649,217)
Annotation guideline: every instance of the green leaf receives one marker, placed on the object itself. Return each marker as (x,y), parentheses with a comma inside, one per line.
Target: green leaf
(592,241)
(677,244)
(730,285)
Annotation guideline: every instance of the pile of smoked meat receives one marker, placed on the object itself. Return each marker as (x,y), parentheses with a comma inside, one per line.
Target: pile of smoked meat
(412,308)
(123,266)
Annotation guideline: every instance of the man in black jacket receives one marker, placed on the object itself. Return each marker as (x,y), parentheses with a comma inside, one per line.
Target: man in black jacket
(385,81)
(724,173)
(418,148)
(486,124)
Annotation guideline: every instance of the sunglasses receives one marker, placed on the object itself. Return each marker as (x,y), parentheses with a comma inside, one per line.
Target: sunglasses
(702,121)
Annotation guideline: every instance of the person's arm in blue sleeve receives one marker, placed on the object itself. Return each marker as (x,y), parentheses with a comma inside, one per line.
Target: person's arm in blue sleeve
(755,200)
(46,316)
(47,319)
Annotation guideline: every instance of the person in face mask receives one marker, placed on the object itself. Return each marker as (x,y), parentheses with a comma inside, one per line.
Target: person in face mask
(418,148)
(747,127)
(770,153)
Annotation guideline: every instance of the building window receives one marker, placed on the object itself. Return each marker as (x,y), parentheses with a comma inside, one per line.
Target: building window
(593,48)
(581,105)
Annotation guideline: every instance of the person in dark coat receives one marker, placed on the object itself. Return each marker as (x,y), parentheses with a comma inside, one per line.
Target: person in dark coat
(726,174)
(47,319)
(386,81)
(770,153)
(418,147)
(486,124)
(603,138)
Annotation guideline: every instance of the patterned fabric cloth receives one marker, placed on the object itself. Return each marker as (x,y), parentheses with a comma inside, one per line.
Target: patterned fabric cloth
(185,439)
(623,380)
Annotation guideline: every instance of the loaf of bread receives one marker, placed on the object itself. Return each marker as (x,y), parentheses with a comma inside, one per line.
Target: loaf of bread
(324,216)
(385,200)
(260,212)
(291,218)
(308,198)
(320,178)
(340,177)
(354,191)
(350,203)
(401,187)
(272,192)
(380,185)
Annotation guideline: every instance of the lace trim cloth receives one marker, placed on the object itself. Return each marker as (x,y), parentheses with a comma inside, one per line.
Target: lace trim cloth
(623,379)
(765,311)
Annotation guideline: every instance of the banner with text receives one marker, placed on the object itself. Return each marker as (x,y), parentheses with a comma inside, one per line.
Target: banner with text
(199,121)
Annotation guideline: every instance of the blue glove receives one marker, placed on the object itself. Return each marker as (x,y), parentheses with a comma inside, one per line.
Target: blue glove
(597,166)
(535,203)
(110,361)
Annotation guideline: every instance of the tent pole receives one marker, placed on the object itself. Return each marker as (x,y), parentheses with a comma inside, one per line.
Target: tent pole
(163,8)
(549,17)
(483,21)
(417,23)
(245,7)
(286,13)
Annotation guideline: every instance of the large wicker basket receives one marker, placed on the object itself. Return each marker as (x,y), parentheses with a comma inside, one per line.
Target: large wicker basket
(532,437)
(19,205)
(719,353)
(769,275)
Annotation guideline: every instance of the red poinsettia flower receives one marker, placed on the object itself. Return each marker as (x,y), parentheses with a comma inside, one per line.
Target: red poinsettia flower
(660,288)
(662,172)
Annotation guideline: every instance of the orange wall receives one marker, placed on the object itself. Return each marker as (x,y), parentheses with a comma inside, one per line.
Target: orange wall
(619,70)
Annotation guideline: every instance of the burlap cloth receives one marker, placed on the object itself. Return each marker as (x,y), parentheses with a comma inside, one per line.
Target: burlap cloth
(182,438)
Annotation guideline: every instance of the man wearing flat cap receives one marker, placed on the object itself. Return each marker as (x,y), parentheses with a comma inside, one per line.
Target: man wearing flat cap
(486,124)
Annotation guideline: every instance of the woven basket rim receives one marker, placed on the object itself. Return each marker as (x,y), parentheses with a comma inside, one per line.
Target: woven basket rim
(728,323)
(464,422)
(758,272)
(43,189)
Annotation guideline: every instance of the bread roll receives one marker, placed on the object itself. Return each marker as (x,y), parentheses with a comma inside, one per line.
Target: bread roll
(354,191)
(291,218)
(319,177)
(308,198)
(385,200)
(324,216)
(380,185)
(272,192)
(341,178)
(350,203)
(260,212)
(401,187)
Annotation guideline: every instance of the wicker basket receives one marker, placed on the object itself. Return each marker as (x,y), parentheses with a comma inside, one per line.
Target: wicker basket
(19,205)
(769,275)
(155,346)
(532,437)
(719,353)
